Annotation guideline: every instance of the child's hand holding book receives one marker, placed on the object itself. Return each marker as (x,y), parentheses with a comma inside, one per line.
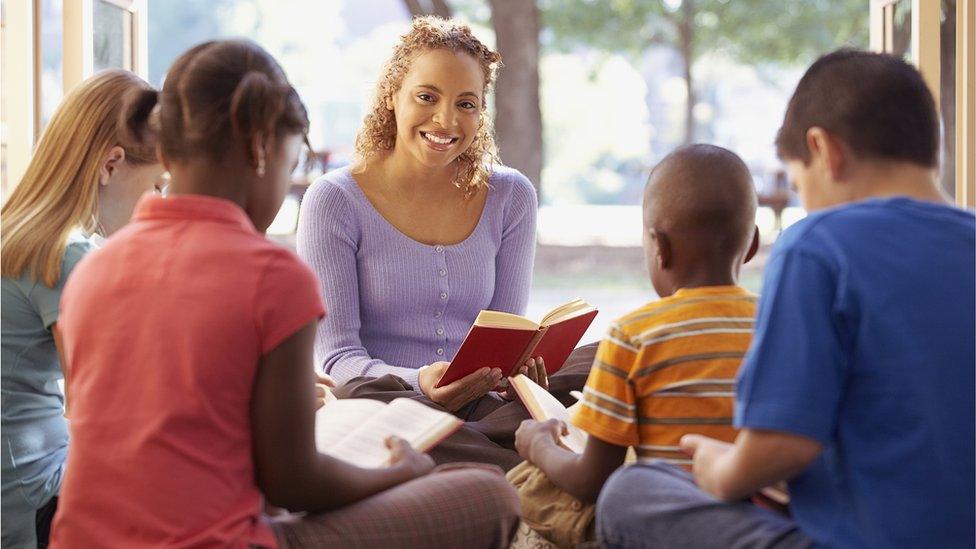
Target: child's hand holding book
(546,412)
(404,457)
(323,389)
(533,434)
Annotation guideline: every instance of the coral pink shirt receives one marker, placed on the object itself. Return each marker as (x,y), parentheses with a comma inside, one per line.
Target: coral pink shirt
(163,330)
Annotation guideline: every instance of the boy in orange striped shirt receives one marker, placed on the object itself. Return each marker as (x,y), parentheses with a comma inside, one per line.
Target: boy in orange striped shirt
(667,368)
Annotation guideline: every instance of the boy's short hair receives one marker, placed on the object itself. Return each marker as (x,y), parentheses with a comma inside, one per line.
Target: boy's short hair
(703,192)
(877,104)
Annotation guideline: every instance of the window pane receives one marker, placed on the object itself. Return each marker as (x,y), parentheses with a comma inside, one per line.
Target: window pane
(109,36)
(901,40)
(52,78)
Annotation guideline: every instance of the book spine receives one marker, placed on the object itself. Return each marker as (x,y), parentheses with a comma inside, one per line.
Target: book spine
(533,343)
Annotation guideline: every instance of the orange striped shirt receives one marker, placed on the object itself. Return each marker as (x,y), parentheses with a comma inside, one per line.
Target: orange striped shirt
(668,369)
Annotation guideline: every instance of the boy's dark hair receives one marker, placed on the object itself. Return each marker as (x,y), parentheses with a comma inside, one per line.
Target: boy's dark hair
(877,104)
(704,193)
(224,91)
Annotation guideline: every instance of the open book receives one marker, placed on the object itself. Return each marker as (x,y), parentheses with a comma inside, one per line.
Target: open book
(543,406)
(355,430)
(503,340)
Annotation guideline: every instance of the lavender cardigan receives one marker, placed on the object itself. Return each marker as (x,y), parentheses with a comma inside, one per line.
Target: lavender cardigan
(395,304)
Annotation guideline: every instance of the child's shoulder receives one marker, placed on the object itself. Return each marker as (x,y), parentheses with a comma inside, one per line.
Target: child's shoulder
(688,306)
(639,319)
(77,248)
(279,265)
(820,232)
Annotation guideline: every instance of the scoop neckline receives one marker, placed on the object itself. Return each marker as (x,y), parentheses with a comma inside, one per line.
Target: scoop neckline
(361,195)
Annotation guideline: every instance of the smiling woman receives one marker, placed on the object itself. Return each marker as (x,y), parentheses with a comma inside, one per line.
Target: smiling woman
(471,75)
(424,231)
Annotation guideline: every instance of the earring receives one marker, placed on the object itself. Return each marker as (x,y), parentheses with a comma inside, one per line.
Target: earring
(260,169)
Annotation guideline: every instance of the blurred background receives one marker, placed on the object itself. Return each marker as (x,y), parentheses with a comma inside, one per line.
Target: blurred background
(592,94)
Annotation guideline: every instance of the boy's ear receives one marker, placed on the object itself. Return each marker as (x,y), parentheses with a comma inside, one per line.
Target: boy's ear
(828,151)
(663,253)
(754,247)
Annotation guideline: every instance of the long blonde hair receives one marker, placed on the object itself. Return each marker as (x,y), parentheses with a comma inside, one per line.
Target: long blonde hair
(378,132)
(59,191)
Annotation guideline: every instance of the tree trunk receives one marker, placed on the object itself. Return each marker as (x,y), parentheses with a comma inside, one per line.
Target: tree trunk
(440,8)
(413,6)
(518,118)
(686,48)
(430,7)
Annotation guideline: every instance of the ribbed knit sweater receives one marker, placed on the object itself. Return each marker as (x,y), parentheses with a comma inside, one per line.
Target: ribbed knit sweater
(395,304)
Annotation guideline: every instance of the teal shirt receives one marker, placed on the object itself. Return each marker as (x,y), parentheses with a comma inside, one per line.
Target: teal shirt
(34,431)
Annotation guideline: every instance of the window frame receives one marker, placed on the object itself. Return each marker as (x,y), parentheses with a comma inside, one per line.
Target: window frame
(79,34)
(926,55)
(966,103)
(21,87)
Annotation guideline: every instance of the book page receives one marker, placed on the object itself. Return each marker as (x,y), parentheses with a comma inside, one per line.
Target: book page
(498,319)
(338,418)
(412,421)
(574,308)
(543,406)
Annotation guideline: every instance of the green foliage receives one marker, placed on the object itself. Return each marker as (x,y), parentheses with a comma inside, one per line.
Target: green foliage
(751,31)
(626,26)
(756,31)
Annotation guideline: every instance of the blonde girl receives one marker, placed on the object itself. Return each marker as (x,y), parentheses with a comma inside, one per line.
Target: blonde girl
(92,163)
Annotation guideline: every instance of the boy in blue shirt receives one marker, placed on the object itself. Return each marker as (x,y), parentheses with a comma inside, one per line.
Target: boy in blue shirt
(859,386)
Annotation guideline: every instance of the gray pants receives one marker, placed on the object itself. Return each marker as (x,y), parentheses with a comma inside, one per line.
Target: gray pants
(457,505)
(659,505)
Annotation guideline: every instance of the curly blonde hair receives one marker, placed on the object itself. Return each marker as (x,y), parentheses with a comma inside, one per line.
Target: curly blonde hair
(379,127)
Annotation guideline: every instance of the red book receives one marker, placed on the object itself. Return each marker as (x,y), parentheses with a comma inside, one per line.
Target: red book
(505,341)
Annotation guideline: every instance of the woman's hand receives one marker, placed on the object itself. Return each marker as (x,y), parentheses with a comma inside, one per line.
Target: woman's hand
(404,457)
(323,385)
(534,369)
(532,434)
(458,393)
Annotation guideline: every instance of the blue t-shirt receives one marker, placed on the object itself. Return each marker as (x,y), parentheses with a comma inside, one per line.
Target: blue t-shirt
(866,341)
(34,431)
